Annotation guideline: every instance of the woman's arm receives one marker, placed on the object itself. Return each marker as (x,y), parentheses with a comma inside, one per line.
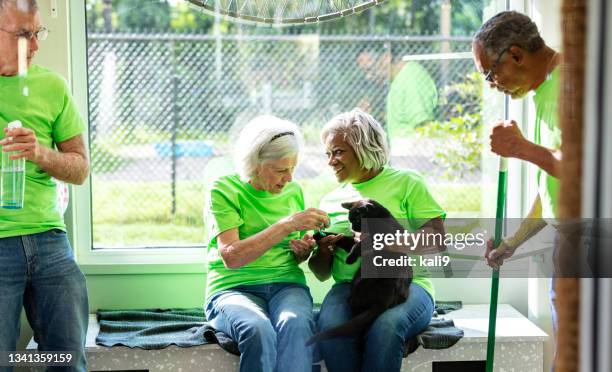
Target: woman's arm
(236,253)
(321,262)
(433,226)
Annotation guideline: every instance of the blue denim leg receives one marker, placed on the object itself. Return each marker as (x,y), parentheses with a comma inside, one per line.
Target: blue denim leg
(13,279)
(341,353)
(385,341)
(56,297)
(55,294)
(553,300)
(290,309)
(243,316)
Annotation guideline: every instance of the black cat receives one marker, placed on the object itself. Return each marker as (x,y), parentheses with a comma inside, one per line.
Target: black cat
(369,297)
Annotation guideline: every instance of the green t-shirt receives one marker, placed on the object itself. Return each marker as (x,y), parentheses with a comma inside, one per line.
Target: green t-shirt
(51,113)
(403,193)
(548,134)
(232,203)
(411,101)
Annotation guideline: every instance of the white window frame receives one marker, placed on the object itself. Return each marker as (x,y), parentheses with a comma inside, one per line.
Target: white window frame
(141,260)
(177,260)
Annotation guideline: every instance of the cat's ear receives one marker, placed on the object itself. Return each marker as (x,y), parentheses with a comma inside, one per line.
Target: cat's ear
(347,205)
(369,207)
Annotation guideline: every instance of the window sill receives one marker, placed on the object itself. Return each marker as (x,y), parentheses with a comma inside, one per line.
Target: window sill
(142,261)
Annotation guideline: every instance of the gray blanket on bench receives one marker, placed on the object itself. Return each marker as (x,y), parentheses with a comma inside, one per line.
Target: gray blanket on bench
(158,328)
(152,329)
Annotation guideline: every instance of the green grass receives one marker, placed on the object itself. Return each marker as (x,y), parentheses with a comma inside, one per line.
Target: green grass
(458,197)
(128,214)
(147,235)
(150,202)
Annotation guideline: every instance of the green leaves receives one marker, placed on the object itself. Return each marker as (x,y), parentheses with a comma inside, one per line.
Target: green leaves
(461,134)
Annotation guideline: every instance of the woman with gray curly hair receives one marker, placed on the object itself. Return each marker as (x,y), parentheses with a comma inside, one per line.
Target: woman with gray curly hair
(358,154)
(255,220)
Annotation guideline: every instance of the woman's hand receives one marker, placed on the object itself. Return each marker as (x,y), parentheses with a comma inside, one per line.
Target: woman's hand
(310,219)
(302,247)
(327,245)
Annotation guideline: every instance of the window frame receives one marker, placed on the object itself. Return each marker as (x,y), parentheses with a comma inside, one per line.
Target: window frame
(185,260)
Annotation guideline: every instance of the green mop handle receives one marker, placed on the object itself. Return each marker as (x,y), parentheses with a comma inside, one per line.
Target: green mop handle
(497,238)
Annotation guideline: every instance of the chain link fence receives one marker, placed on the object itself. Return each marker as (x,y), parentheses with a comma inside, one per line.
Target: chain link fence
(164,109)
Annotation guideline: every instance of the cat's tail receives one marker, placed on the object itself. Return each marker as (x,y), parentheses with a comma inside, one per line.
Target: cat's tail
(356,325)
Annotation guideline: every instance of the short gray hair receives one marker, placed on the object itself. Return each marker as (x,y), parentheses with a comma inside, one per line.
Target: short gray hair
(23,5)
(265,138)
(364,134)
(506,29)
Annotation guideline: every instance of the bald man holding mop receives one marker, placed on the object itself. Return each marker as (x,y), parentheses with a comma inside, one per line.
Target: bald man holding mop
(514,59)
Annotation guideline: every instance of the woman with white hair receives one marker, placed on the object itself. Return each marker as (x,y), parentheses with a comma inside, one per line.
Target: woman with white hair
(256,292)
(358,153)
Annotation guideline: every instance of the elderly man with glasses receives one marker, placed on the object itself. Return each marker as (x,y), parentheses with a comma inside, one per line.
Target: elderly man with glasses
(514,59)
(37,267)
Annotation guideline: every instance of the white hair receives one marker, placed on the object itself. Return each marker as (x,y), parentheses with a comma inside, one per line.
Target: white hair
(364,134)
(25,6)
(263,139)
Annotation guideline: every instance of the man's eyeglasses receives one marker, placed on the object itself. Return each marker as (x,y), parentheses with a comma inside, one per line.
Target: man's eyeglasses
(488,75)
(40,34)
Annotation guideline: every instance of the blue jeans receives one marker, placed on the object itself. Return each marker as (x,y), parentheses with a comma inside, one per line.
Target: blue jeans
(38,272)
(553,298)
(270,322)
(382,346)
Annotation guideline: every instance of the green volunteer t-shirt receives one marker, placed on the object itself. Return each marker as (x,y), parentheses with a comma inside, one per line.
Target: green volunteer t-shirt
(232,203)
(403,193)
(412,100)
(51,113)
(548,134)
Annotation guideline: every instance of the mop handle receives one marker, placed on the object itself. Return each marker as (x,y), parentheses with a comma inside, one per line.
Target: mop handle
(497,238)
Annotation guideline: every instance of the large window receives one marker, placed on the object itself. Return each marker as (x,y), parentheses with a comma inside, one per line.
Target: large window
(169,87)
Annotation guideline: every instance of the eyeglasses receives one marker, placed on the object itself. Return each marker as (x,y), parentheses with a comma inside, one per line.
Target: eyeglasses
(40,34)
(488,75)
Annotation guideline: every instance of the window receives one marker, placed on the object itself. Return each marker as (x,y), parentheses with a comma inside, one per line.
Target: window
(169,87)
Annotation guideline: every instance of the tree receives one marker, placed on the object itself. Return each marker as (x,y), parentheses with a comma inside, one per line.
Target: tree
(462,131)
(142,15)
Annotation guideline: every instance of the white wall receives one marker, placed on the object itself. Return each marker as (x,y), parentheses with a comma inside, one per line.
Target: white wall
(54,52)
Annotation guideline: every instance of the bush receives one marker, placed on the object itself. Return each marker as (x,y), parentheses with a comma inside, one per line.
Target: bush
(462,132)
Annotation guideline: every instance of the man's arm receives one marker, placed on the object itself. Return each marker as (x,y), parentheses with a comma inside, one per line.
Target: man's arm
(530,225)
(508,141)
(69,164)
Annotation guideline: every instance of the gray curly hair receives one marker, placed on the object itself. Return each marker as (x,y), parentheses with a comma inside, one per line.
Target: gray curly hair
(506,29)
(364,134)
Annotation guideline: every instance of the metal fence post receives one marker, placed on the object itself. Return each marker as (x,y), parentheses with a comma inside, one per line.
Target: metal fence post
(176,117)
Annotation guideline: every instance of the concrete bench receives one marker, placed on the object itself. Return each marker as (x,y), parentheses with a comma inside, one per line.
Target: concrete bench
(519,347)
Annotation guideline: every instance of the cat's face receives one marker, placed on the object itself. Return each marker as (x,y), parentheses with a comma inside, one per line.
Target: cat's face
(364,209)
(357,210)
